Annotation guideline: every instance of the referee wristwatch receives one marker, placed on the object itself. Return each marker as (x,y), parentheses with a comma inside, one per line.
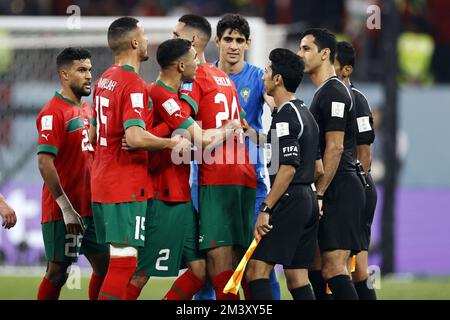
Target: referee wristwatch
(265,208)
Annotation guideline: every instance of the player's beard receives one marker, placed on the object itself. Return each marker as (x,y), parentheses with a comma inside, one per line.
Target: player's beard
(189,78)
(79,91)
(144,54)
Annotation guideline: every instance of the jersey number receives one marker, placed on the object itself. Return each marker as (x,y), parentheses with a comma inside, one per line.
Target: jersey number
(164,255)
(100,103)
(85,144)
(139,228)
(73,242)
(220,98)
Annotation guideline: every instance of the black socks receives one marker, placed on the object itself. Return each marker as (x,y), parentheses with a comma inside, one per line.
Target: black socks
(364,292)
(303,293)
(342,288)
(260,289)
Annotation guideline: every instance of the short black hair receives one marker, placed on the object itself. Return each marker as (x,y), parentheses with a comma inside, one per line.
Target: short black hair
(289,65)
(345,54)
(197,22)
(233,21)
(70,54)
(323,38)
(171,50)
(118,30)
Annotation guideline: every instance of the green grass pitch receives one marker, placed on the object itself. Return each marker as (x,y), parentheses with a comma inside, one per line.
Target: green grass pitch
(25,288)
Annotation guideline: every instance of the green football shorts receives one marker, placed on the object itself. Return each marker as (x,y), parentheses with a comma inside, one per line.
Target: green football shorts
(226,216)
(120,223)
(171,239)
(63,247)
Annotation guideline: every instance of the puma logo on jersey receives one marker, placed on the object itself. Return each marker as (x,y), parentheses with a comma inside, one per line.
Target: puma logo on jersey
(178,115)
(45,136)
(221,81)
(139,112)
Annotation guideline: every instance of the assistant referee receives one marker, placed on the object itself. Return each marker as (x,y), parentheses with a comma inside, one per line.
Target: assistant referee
(288,217)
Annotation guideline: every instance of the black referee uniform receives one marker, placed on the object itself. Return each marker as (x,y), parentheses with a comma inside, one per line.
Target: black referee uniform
(365,135)
(293,140)
(344,200)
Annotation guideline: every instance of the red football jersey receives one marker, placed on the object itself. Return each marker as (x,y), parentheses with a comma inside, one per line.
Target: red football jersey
(121,101)
(215,97)
(63,132)
(171,181)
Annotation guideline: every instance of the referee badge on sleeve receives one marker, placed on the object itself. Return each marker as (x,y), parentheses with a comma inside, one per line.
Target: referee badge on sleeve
(282,129)
(363,124)
(337,109)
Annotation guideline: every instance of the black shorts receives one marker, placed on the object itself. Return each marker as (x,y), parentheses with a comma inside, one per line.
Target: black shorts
(368,213)
(343,205)
(292,241)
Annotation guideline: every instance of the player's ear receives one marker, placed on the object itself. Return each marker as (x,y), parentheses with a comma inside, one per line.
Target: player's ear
(278,79)
(64,75)
(217,41)
(348,70)
(180,66)
(195,40)
(248,43)
(134,43)
(325,54)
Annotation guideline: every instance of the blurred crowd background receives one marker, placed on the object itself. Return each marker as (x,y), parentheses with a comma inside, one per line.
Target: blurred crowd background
(424,43)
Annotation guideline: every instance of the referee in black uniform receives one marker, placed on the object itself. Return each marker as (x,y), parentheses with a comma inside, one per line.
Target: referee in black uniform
(339,187)
(288,217)
(344,64)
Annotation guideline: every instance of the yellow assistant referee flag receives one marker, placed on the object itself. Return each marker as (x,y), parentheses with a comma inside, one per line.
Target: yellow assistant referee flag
(235,281)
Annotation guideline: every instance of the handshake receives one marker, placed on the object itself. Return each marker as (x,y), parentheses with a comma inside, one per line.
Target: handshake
(210,138)
(182,140)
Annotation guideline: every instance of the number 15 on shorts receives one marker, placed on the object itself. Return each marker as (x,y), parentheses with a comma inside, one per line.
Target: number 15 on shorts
(139,230)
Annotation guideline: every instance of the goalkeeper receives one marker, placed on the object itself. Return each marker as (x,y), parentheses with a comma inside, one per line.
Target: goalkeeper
(288,217)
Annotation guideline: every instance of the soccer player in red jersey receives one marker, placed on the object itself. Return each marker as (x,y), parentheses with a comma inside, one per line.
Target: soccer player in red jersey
(120,184)
(227,184)
(163,255)
(65,158)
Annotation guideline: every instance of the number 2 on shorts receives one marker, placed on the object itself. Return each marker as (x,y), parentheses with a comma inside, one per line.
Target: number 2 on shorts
(164,255)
